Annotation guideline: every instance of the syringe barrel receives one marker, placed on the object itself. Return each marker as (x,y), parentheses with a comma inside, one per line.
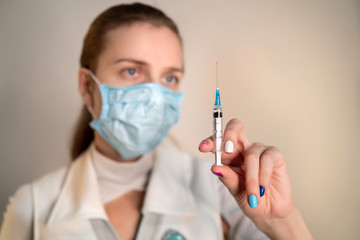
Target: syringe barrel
(217,133)
(217,128)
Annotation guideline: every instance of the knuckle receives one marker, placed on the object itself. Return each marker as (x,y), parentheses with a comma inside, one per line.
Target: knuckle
(257,144)
(236,122)
(267,157)
(274,149)
(251,156)
(255,147)
(276,152)
(280,156)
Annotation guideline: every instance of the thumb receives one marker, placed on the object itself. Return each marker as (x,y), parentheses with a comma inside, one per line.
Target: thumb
(235,182)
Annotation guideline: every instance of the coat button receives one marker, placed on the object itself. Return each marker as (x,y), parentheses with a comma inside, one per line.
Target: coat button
(173,235)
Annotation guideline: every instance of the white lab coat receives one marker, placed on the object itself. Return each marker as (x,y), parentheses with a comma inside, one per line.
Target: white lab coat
(182,195)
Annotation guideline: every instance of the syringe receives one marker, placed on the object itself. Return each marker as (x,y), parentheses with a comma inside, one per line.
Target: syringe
(217,114)
(217,137)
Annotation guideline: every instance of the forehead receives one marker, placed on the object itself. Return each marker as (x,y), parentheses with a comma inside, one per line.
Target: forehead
(145,42)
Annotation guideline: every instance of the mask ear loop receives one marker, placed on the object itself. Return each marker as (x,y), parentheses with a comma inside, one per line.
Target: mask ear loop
(92,113)
(94,77)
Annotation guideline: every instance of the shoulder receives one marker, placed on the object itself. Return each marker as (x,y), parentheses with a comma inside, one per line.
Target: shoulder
(18,215)
(20,204)
(20,209)
(22,200)
(43,190)
(50,183)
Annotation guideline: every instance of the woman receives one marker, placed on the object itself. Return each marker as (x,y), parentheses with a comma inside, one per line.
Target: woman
(126,181)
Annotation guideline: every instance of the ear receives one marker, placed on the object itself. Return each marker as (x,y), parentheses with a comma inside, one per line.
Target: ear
(86,86)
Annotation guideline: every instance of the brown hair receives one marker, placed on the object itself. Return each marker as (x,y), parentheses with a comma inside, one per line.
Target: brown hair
(94,41)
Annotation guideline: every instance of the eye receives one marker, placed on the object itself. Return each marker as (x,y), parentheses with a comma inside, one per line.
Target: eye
(171,79)
(131,71)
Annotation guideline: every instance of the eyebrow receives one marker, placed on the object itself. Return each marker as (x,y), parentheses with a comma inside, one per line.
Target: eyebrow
(130,60)
(172,69)
(142,63)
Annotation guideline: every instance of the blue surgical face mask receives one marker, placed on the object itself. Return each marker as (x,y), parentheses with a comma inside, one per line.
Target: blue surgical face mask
(134,120)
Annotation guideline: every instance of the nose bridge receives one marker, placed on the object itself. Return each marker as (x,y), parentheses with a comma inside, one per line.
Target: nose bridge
(153,77)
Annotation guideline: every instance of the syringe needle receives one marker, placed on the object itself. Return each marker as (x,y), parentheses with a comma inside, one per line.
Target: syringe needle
(217,79)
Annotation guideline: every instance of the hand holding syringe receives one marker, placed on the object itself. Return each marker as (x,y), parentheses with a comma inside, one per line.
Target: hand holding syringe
(254,171)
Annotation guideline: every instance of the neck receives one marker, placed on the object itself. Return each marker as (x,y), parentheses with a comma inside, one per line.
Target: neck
(104,148)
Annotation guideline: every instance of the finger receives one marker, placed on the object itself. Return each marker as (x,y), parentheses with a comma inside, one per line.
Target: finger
(233,181)
(206,145)
(251,163)
(266,169)
(235,135)
(235,141)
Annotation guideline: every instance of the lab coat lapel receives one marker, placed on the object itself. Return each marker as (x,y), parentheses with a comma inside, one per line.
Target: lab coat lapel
(79,198)
(168,193)
(169,189)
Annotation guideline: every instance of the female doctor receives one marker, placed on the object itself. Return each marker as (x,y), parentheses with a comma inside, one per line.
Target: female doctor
(126,180)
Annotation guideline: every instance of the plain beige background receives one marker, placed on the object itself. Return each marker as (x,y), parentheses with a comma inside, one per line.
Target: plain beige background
(288,69)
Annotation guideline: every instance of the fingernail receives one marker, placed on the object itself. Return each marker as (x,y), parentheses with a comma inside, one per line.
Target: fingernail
(203,143)
(262,191)
(229,146)
(252,201)
(217,173)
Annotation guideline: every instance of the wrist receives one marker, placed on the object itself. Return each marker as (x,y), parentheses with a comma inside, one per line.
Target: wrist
(290,227)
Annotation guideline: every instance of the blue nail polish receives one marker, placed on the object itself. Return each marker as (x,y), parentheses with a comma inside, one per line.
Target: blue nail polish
(252,201)
(262,191)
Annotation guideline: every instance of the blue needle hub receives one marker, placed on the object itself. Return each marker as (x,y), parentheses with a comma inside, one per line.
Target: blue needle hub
(217,98)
